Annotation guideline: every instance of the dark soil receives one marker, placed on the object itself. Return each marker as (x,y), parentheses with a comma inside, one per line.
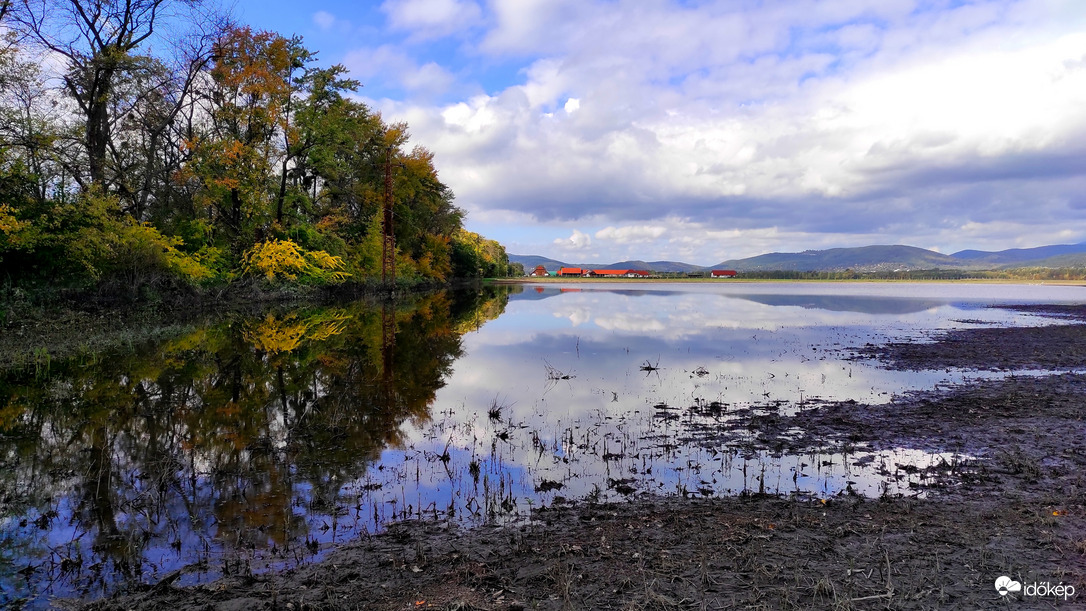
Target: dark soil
(1015,506)
(996,349)
(1053,347)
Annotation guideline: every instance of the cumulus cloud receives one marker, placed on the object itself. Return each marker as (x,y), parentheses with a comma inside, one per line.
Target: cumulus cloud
(431,18)
(631,233)
(578,241)
(390,64)
(804,125)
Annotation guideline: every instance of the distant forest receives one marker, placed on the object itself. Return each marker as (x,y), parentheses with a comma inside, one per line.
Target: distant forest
(157,143)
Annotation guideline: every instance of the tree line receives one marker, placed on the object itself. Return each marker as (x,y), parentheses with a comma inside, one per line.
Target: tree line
(153,142)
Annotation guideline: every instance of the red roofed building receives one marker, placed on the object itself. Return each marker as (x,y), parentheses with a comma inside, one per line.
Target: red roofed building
(570,271)
(608,273)
(539,272)
(724,273)
(619,273)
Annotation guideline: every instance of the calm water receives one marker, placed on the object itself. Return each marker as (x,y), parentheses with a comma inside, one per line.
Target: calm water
(260,442)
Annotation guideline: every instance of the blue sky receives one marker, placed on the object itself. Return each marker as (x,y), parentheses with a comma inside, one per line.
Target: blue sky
(590,130)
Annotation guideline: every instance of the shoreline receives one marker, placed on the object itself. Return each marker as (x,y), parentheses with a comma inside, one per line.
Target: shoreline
(725,281)
(1014,506)
(59,325)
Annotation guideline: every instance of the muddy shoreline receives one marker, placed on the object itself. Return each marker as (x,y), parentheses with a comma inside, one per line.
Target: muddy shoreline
(1014,505)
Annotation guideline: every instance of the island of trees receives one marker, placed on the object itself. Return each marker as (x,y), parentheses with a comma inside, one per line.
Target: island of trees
(155,143)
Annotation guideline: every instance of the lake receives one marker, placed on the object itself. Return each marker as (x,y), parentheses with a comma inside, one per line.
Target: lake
(253,442)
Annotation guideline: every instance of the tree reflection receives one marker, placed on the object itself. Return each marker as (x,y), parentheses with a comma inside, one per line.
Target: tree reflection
(216,446)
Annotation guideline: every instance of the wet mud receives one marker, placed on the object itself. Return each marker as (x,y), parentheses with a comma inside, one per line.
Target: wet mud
(1012,502)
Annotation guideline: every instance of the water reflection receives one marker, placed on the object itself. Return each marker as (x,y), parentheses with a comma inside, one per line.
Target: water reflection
(847,303)
(217,449)
(259,441)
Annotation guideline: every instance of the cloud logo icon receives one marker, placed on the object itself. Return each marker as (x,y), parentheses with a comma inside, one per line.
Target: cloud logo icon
(1005,584)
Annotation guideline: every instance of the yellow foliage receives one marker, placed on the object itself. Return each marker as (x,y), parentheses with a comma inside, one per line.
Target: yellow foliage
(276,258)
(283,258)
(10,416)
(272,335)
(8,223)
(276,335)
(139,244)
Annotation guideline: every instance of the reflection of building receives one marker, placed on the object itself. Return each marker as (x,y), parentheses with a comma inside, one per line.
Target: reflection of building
(723,273)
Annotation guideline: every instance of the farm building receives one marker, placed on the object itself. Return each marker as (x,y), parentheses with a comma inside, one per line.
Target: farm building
(618,273)
(539,272)
(723,273)
(603,273)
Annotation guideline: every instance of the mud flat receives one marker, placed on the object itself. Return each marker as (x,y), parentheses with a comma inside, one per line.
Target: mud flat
(1014,505)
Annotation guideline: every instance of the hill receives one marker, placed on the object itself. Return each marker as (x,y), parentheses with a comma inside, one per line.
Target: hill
(657,266)
(862,259)
(1067,260)
(1020,256)
(531,261)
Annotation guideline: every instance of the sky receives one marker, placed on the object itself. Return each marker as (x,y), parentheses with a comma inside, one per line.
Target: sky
(701,131)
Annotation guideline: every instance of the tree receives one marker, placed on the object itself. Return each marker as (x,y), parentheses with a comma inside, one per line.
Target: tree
(474,256)
(98,40)
(233,155)
(26,120)
(233,159)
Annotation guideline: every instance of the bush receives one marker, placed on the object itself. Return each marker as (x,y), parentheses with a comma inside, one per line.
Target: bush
(283,259)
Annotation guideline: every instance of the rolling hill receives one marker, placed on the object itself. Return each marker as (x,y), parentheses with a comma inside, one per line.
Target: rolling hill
(878,258)
(862,259)
(1017,256)
(530,261)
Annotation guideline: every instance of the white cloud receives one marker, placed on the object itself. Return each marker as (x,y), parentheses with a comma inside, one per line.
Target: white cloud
(631,234)
(431,18)
(578,241)
(798,125)
(324,20)
(525,25)
(428,77)
(392,65)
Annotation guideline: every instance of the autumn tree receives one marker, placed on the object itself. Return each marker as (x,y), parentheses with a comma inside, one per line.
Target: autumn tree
(99,41)
(235,156)
(475,256)
(250,138)
(340,155)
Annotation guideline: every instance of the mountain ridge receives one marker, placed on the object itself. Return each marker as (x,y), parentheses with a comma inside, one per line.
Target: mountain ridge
(872,258)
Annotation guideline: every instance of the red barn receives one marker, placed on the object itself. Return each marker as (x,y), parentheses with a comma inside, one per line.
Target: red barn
(608,273)
(724,273)
(570,271)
